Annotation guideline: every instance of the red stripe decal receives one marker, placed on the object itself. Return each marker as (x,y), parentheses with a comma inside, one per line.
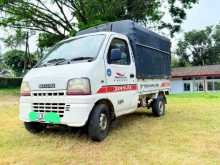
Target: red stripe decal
(117,88)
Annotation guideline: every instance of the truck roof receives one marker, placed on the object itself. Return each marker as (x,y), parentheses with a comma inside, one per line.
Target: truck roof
(124,26)
(134,32)
(88,34)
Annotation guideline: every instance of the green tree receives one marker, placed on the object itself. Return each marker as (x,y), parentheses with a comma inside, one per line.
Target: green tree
(15,40)
(20,38)
(62,18)
(216,38)
(2,64)
(174,62)
(17,60)
(46,40)
(200,47)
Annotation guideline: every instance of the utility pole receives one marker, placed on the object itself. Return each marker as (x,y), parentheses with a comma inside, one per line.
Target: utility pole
(27,52)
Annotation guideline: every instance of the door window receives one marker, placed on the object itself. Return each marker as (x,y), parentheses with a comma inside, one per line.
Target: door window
(121,47)
(217,85)
(186,87)
(210,86)
(199,86)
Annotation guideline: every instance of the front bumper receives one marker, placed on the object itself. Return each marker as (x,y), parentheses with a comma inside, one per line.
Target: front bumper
(75,111)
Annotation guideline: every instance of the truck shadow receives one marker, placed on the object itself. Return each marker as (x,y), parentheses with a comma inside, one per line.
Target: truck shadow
(120,123)
(129,119)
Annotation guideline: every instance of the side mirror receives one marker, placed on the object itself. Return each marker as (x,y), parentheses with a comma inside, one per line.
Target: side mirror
(115,55)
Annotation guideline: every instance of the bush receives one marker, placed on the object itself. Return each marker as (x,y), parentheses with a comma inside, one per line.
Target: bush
(18,61)
(10,82)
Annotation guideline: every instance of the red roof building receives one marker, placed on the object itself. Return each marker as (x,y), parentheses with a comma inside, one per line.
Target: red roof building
(196,78)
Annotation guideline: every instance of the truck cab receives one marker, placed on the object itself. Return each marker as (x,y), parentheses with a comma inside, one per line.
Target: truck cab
(88,80)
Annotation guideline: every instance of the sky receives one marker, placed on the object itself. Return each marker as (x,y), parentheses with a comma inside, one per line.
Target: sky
(205,13)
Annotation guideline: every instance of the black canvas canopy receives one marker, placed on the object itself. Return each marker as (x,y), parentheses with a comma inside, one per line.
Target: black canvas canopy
(151,50)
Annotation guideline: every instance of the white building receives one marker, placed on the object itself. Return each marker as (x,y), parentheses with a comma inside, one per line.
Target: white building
(195,79)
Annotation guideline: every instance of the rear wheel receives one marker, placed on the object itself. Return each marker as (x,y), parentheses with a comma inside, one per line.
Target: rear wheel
(158,106)
(34,127)
(99,122)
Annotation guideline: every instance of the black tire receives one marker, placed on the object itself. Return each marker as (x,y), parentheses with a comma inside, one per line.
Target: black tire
(158,106)
(99,122)
(34,127)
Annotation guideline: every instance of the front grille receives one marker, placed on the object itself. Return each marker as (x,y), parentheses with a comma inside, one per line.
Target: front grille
(58,108)
(48,94)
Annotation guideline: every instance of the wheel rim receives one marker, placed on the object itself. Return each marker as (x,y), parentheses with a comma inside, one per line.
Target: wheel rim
(103,121)
(161,107)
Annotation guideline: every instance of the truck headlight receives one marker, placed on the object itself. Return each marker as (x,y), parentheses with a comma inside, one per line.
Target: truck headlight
(25,89)
(78,86)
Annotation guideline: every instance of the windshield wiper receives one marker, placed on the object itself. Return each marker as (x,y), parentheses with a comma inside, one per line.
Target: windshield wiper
(56,60)
(59,61)
(82,58)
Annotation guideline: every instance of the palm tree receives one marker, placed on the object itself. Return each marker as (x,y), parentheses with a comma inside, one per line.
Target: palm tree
(16,41)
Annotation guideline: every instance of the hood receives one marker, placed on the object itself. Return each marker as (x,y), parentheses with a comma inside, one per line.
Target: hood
(58,75)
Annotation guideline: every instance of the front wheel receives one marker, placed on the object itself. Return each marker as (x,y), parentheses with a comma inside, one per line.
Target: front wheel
(34,127)
(99,123)
(158,106)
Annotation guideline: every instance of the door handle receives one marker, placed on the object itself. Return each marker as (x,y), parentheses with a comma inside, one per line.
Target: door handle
(132,75)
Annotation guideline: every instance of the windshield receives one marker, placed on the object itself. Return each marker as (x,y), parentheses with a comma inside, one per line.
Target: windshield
(77,49)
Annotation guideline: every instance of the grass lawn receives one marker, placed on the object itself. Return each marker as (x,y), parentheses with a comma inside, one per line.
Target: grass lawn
(188,134)
(10,92)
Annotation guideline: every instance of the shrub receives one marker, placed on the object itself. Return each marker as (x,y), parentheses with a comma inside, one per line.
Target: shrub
(10,82)
(19,61)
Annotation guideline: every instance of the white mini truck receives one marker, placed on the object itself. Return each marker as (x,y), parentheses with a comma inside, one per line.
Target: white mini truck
(91,79)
